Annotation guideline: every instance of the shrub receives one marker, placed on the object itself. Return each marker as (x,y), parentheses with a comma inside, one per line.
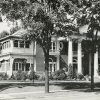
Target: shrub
(70,72)
(20,75)
(50,77)
(59,75)
(12,77)
(80,76)
(87,77)
(32,75)
(42,77)
(3,76)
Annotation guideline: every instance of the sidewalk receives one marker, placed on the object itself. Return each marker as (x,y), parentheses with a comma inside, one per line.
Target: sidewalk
(56,93)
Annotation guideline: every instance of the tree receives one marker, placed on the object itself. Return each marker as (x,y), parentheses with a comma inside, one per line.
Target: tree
(90,15)
(42,19)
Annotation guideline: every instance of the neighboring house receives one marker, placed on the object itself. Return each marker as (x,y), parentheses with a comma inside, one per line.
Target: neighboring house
(17,54)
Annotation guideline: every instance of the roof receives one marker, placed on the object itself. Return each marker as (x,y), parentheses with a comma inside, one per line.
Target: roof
(20,33)
(17,34)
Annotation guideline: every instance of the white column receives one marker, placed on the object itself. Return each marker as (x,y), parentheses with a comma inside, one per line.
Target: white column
(34,58)
(10,72)
(34,49)
(58,62)
(57,46)
(96,64)
(58,55)
(34,64)
(79,58)
(70,52)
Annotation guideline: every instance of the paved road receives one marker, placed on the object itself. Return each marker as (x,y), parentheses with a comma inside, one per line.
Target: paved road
(53,95)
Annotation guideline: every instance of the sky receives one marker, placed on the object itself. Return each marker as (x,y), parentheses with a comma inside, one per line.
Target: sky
(4,27)
(7,25)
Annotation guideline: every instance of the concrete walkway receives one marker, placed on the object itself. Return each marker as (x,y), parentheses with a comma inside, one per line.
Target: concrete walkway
(56,93)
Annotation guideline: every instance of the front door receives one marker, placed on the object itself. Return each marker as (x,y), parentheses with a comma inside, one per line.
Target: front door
(74,70)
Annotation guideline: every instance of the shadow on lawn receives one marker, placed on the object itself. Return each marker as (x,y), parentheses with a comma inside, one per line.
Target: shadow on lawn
(7,86)
(80,87)
(96,90)
(74,86)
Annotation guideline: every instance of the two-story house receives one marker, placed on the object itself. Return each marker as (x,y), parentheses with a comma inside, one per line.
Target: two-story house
(17,53)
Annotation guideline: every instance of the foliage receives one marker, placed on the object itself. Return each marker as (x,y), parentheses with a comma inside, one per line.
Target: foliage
(3,76)
(42,77)
(33,76)
(70,72)
(59,75)
(44,18)
(3,34)
(12,77)
(14,29)
(80,76)
(20,75)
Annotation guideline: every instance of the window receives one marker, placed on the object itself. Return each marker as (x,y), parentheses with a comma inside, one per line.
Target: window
(27,66)
(6,45)
(74,59)
(22,44)
(27,44)
(17,66)
(20,66)
(53,46)
(23,68)
(16,43)
(52,65)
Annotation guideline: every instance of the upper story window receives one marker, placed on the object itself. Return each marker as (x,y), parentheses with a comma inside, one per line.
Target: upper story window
(27,44)
(21,44)
(16,43)
(6,45)
(53,46)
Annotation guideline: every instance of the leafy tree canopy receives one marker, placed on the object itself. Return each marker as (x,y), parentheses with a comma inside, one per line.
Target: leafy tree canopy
(42,18)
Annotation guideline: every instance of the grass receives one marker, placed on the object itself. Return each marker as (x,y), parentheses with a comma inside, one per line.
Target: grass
(63,84)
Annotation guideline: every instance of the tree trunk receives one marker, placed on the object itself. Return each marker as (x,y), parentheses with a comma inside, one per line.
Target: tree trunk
(47,72)
(92,71)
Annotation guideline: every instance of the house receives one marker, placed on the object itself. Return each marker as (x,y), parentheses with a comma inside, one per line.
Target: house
(17,53)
